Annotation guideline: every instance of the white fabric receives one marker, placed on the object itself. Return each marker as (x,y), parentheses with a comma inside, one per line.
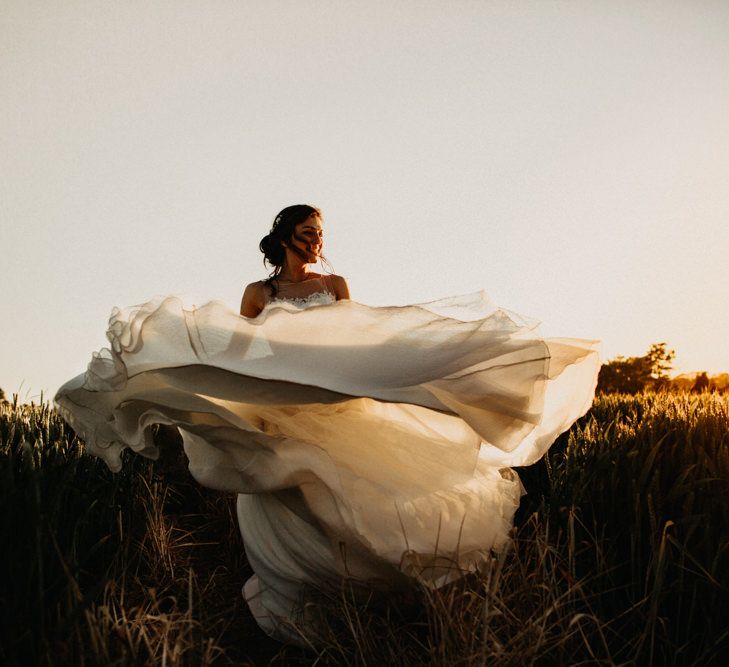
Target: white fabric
(366,442)
(313,299)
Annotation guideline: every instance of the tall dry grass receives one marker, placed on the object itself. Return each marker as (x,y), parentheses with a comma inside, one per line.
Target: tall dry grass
(620,556)
(141,567)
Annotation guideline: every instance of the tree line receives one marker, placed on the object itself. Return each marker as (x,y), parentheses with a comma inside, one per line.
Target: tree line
(634,375)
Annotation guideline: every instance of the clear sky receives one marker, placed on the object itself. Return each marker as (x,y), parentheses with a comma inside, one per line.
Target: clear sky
(571,158)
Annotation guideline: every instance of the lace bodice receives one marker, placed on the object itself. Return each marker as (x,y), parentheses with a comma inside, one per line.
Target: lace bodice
(315,299)
(313,292)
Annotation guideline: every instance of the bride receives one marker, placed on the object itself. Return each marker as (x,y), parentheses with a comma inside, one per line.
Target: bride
(369,444)
(295,241)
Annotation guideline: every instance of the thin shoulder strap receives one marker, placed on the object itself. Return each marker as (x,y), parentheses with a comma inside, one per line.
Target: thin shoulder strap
(326,279)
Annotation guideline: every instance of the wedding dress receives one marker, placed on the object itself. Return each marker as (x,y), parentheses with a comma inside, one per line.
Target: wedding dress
(373,443)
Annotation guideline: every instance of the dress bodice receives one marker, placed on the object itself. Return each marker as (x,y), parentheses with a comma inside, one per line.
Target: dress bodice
(315,299)
(312,292)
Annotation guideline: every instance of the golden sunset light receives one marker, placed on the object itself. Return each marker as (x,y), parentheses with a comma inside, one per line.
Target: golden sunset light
(361,332)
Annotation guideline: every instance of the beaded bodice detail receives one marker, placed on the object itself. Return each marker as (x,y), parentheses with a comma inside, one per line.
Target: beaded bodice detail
(315,299)
(290,294)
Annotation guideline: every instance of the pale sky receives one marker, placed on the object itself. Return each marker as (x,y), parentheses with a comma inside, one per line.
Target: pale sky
(570,158)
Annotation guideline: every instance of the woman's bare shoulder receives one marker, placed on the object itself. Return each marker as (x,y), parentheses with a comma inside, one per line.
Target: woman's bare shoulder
(339,285)
(258,286)
(254,299)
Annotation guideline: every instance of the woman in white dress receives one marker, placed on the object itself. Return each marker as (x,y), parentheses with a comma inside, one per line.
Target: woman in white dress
(294,242)
(372,444)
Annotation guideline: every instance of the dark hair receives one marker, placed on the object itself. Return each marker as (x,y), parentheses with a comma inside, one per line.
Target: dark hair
(282,230)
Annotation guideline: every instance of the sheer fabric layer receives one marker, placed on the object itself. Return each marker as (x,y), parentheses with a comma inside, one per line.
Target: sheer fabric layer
(373,443)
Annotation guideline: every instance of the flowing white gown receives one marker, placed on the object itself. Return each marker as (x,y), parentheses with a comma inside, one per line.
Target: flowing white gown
(366,442)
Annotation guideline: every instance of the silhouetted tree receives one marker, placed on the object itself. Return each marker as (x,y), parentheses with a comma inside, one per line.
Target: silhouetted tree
(702,382)
(635,374)
(660,359)
(622,375)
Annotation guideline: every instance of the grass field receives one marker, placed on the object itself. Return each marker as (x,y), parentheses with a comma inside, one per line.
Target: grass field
(620,556)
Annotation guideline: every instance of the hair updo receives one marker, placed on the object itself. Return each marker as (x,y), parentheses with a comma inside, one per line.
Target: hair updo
(282,230)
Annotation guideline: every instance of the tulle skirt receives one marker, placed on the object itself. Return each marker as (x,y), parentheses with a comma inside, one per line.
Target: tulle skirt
(365,443)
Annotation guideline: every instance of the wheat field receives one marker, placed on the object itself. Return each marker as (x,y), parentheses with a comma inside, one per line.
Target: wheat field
(620,556)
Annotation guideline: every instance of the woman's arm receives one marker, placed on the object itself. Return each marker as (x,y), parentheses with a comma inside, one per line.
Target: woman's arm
(254,299)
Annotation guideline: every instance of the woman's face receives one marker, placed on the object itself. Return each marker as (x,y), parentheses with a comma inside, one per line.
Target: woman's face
(308,238)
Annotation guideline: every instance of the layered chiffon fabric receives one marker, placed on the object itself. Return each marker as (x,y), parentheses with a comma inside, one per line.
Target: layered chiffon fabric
(370,443)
